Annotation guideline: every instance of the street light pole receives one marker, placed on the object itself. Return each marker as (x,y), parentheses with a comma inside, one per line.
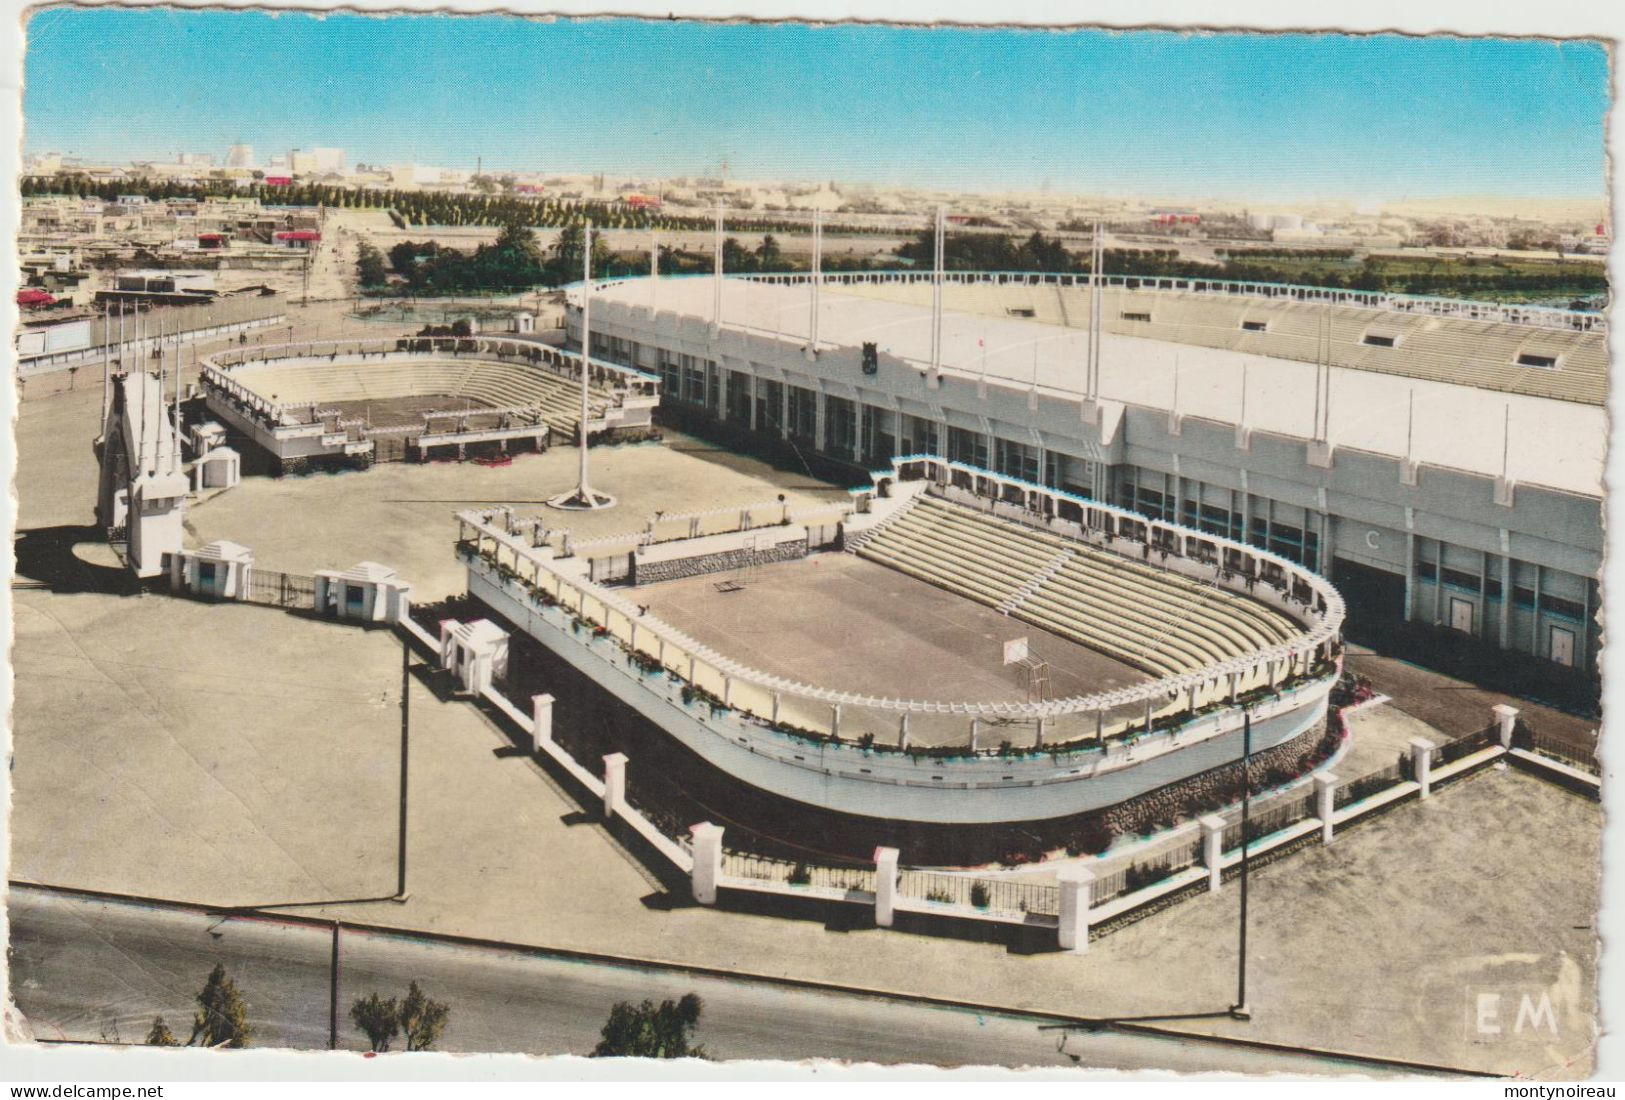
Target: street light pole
(406,684)
(1239,1010)
(333,994)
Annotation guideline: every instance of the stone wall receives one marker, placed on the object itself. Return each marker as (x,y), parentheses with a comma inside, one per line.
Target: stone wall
(653,572)
(1218,787)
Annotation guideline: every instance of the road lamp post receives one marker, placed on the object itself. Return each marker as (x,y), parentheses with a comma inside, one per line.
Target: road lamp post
(406,713)
(1239,1010)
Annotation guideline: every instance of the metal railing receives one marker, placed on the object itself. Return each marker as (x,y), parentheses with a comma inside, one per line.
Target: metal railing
(1574,755)
(1466,745)
(1503,313)
(1272,818)
(1002,895)
(1372,783)
(749,865)
(289,590)
(1147,870)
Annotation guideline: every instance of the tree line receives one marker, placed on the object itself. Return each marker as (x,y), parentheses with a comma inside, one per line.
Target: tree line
(426,208)
(645,1030)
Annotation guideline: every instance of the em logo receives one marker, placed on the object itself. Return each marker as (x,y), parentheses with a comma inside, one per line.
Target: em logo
(1497,1014)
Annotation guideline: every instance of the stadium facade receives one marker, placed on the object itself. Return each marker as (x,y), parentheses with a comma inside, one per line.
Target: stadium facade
(1440,461)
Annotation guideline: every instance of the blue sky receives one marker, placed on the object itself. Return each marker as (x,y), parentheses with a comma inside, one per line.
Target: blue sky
(1144,113)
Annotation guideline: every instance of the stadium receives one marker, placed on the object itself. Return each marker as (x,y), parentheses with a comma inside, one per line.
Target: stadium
(353,403)
(1093,531)
(1117,655)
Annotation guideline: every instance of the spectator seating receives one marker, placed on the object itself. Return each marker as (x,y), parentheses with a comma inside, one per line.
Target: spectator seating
(1154,619)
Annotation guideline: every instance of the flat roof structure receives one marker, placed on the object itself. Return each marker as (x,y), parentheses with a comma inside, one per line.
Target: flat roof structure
(1441,460)
(1529,440)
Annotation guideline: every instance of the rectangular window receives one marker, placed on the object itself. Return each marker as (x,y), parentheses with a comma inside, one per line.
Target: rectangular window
(1377,341)
(1530,359)
(1457,579)
(1136,317)
(1255,326)
(1557,605)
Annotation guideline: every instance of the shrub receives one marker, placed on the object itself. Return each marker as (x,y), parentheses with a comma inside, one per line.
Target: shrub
(1091,838)
(799,875)
(979,896)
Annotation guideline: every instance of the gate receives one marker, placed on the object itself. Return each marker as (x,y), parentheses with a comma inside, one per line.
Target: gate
(281,589)
(388,448)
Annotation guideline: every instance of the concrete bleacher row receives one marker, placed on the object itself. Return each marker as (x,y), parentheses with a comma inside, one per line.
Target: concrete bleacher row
(1153,619)
(484,382)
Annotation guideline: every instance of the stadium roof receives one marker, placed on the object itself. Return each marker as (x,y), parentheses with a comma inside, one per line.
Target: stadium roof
(1557,444)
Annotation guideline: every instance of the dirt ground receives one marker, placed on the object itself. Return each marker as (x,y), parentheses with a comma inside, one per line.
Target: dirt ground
(849,624)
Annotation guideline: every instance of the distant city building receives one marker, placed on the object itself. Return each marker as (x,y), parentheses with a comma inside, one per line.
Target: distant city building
(328,160)
(302,239)
(241,156)
(1275,221)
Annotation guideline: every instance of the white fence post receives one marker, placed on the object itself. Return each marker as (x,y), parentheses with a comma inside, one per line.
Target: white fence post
(1506,717)
(541,721)
(707,862)
(1422,763)
(614,783)
(1213,849)
(1325,797)
(885,886)
(1077,896)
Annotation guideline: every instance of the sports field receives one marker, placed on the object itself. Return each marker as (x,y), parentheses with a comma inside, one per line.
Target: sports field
(845,623)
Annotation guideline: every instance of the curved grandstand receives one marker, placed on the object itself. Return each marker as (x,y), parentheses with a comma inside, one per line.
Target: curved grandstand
(383,400)
(1156,620)
(1209,629)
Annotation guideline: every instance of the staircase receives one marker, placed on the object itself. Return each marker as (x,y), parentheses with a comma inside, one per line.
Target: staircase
(1019,596)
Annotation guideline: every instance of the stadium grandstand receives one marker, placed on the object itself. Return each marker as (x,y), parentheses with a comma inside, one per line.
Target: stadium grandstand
(1440,461)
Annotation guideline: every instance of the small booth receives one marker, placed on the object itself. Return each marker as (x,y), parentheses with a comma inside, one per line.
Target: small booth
(366,592)
(476,653)
(220,468)
(524,323)
(207,436)
(219,571)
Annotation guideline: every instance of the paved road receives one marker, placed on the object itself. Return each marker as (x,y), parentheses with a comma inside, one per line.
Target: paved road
(99,970)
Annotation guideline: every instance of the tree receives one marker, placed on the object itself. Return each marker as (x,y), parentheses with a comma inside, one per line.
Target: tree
(160,1035)
(565,263)
(769,257)
(422,1019)
(644,1031)
(736,258)
(369,267)
(221,1019)
(378,1019)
